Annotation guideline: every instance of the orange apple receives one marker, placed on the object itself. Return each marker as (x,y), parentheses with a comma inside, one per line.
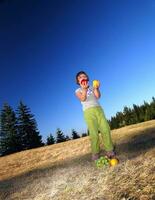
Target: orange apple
(113,161)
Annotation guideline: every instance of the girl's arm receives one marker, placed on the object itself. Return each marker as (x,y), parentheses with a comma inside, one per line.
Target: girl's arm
(82,96)
(97,93)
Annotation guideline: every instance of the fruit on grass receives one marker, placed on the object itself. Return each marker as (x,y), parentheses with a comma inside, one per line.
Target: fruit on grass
(102,161)
(98,163)
(114,161)
(96,83)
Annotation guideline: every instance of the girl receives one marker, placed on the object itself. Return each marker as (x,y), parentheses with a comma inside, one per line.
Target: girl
(94,116)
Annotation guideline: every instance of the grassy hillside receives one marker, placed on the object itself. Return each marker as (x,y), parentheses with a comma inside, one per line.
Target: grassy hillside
(65,171)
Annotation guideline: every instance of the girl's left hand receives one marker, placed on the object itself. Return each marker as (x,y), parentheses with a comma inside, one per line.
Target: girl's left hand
(96,84)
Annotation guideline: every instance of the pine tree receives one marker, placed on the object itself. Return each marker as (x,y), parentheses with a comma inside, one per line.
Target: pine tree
(120,119)
(27,128)
(147,115)
(129,116)
(142,111)
(9,137)
(136,110)
(152,108)
(50,139)
(60,136)
(75,134)
(114,123)
(67,138)
(84,135)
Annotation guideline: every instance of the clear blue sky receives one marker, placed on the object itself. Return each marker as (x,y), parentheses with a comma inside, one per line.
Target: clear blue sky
(43,44)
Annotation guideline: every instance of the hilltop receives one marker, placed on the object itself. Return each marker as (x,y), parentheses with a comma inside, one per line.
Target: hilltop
(64,171)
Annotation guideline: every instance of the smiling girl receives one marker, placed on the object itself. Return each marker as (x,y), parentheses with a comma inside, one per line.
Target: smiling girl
(94,116)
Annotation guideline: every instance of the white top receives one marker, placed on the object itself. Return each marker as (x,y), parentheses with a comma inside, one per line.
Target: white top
(91,100)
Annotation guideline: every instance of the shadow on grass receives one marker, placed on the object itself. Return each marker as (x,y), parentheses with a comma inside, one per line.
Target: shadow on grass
(14,184)
(132,148)
(137,144)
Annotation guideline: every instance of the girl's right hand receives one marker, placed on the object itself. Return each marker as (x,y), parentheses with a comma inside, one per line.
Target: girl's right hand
(84,85)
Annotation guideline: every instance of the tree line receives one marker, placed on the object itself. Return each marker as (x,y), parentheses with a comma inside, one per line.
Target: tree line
(134,115)
(18,129)
(61,137)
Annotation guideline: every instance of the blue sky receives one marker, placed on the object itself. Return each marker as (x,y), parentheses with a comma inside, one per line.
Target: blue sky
(43,44)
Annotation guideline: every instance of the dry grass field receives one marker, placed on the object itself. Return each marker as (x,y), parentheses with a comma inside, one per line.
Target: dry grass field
(65,171)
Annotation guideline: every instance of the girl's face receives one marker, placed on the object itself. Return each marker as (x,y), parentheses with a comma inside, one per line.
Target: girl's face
(81,77)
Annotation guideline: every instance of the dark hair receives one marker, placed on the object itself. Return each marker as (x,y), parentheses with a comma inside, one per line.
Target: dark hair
(78,74)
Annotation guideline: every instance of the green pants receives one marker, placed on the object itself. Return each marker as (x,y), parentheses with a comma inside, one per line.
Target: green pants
(96,122)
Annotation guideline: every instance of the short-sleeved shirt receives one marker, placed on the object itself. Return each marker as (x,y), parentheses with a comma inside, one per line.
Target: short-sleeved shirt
(91,100)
